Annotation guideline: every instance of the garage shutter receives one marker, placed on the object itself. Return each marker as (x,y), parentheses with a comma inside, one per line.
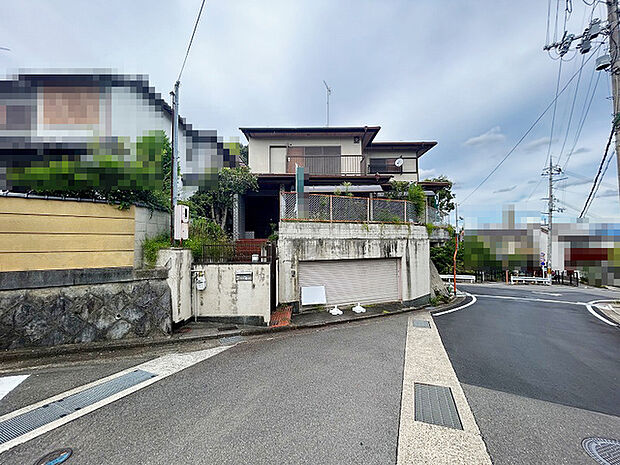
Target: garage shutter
(352,281)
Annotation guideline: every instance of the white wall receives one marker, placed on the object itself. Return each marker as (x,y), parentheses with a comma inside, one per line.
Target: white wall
(259,148)
(179,263)
(337,241)
(224,296)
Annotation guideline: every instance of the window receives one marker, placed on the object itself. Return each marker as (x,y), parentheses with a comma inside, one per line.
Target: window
(70,105)
(383,165)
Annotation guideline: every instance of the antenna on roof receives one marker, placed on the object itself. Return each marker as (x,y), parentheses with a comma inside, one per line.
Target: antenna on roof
(329,91)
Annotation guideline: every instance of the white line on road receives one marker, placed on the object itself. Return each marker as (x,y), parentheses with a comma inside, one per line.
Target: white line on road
(532,299)
(473,301)
(600,317)
(8,383)
(554,294)
(162,367)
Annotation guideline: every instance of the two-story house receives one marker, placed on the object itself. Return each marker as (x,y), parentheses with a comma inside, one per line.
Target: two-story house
(63,116)
(330,156)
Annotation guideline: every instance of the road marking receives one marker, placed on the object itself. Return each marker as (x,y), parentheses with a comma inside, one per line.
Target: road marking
(427,362)
(547,293)
(473,301)
(531,299)
(588,305)
(8,383)
(162,367)
(600,317)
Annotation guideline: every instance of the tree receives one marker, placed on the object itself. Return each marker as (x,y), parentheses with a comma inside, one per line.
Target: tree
(243,154)
(405,190)
(217,202)
(445,198)
(443,257)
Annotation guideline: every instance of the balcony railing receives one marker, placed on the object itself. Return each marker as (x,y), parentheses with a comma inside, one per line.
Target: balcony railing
(335,208)
(347,165)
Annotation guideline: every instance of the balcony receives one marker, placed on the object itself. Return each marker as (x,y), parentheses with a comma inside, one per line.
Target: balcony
(341,165)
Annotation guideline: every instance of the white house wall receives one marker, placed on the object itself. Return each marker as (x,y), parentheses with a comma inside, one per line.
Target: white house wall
(259,148)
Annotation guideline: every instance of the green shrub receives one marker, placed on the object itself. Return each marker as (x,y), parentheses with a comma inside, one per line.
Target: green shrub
(152,245)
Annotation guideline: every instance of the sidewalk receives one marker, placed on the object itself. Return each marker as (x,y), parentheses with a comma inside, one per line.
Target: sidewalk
(208,330)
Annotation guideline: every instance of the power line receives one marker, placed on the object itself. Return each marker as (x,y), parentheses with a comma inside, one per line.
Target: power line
(191,39)
(600,168)
(526,132)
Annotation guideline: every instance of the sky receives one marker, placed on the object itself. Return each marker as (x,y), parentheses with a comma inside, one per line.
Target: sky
(470,75)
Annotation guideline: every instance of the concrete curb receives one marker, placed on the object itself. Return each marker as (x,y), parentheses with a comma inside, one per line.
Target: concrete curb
(108,346)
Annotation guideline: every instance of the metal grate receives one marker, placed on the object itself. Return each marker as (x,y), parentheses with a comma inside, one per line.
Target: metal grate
(435,404)
(421,324)
(604,451)
(29,421)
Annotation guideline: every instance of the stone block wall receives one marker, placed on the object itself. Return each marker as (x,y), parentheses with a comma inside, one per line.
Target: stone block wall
(133,306)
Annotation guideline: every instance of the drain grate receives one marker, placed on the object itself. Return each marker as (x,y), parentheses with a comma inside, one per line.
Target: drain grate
(227,341)
(421,324)
(604,451)
(29,421)
(435,404)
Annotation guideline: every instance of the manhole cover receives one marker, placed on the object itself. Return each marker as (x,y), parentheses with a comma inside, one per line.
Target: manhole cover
(55,458)
(604,451)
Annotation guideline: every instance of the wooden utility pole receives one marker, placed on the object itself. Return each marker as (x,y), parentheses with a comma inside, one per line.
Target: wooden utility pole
(614,53)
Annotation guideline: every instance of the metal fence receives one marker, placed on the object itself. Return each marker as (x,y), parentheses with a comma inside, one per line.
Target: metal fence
(236,252)
(335,208)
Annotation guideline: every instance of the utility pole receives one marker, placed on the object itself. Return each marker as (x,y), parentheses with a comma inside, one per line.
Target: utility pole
(614,52)
(551,172)
(328,91)
(174,162)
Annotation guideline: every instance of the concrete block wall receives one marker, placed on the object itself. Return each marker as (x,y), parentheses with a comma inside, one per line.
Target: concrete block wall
(339,241)
(148,223)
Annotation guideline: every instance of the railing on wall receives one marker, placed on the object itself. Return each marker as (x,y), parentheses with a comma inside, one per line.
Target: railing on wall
(237,252)
(434,216)
(336,208)
(327,165)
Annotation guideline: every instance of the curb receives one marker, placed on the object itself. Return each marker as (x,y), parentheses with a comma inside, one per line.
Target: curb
(89,348)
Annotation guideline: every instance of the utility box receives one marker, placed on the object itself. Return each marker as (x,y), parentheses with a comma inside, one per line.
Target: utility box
(181,222)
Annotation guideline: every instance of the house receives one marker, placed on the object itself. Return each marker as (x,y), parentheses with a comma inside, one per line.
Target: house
(63,116)
(361,247)
(330,156)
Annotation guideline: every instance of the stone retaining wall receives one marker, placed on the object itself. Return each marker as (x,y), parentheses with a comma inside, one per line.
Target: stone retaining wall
(85,313)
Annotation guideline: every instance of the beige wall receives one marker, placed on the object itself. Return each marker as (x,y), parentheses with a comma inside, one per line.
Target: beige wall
(259,148)
(40,234)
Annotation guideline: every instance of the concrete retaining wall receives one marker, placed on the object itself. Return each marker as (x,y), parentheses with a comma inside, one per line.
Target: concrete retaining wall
(231,294)
(338,241)
(67,314)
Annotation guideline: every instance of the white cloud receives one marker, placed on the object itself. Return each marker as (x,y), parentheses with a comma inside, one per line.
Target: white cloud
(492,136)
(424,174)
(506,189)
(534,145)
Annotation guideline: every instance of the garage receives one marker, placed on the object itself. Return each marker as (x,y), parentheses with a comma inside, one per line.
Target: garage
(352,281)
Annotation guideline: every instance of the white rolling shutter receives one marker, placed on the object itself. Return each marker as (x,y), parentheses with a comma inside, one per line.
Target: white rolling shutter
(352,281)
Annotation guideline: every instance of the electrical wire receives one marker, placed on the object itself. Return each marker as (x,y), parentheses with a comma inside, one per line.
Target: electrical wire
(600,168)
(555,106)
(189,46)
(525,134)
(572,108)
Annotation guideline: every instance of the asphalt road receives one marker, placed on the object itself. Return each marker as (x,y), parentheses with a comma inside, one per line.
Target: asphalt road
(326,396)
(539,376)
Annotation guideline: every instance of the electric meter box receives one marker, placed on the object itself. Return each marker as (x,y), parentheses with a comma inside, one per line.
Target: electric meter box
(181,222)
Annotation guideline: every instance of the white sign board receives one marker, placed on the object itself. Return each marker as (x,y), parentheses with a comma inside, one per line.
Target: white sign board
(313,295)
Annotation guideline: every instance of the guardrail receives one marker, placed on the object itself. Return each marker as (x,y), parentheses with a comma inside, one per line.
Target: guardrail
(530,280)
(469,278)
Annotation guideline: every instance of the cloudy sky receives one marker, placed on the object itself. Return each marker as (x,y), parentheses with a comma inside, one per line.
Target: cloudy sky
(469,74)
